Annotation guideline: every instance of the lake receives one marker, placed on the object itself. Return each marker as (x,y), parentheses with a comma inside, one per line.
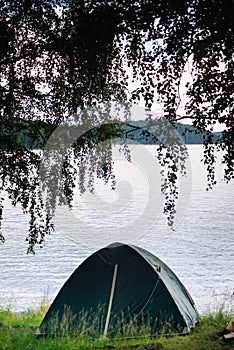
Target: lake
(199,250)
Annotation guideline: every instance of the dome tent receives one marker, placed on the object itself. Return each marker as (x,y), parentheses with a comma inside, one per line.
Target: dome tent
(119,287)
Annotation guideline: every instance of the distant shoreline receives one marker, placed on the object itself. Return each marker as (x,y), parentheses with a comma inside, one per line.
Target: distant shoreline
(34,135)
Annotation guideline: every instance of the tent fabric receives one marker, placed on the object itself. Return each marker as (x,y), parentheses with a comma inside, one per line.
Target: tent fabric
(146,293)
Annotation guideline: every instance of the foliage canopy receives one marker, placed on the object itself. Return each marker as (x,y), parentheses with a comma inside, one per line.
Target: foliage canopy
(60,57)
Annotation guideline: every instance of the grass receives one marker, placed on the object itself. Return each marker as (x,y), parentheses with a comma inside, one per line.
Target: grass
(17,331)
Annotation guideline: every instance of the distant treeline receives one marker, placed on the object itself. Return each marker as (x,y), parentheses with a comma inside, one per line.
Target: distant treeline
(34,135)
(139,132)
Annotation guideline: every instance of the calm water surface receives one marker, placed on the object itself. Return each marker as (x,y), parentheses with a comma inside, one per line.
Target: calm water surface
(200,250)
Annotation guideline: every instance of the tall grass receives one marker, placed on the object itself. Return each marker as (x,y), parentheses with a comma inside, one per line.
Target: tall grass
(91,324)
(17,331)
(30,317)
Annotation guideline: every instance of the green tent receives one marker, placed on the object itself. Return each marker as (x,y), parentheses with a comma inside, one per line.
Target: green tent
(119,289)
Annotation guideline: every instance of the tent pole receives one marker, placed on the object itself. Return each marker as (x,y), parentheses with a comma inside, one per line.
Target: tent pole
(110,300)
